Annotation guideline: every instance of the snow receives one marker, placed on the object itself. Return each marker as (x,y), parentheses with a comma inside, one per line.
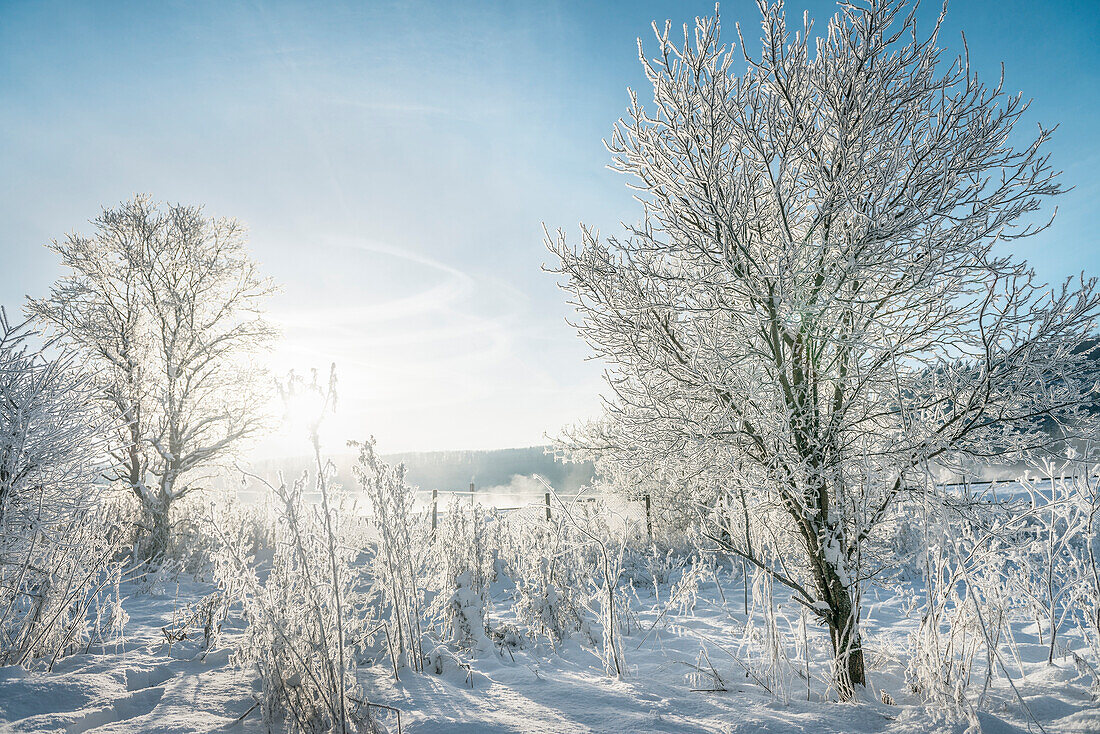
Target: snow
(143,684)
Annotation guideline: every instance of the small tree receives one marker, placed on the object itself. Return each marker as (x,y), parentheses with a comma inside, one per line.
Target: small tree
(164,307)
(817,302)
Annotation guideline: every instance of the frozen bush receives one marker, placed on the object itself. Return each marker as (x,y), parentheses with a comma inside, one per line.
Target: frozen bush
(1085,565)
(604,599)
(465,562)
(550,575)
(974,563)
(56,544)
(569,577)
(400,557)
(50,449)
(463,611)
(307,618)
(49,584)
(109,626)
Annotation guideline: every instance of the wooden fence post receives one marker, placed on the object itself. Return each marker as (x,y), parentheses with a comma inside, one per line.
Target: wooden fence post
(435,510)
(547,497)
(648,519)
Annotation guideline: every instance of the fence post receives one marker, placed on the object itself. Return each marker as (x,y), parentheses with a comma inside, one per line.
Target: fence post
(435,509)
(547,497)
(471,487)
(648,519)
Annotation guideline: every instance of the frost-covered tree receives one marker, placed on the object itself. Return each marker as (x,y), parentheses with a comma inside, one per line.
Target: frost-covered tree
(819,300)
(163,305)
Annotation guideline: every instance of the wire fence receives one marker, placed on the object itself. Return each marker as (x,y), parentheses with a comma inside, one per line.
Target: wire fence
(649,515)
(652,517)
(531,509)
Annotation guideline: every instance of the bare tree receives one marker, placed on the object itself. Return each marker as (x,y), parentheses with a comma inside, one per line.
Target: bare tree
(819,301)
(164,306)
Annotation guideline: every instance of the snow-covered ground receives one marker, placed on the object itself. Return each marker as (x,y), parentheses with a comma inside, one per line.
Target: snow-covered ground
(145,685)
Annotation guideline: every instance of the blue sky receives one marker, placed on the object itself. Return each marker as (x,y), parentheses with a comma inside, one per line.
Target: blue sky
(394,163)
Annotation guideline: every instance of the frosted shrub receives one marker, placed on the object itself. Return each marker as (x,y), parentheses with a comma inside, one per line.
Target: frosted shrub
(109,627)
(653,567)
(253,524)
(550,574)
(773,669)
(399,558)
(685,591)
(50,450)
(904,540)
(463,612)
(464,545)
(943,647)
(961,642)
(465,564)
(49,584)
(56,544)
(304,624)
(1054,527)
(191,547)
(567,572)
(1085,564)
(307,619)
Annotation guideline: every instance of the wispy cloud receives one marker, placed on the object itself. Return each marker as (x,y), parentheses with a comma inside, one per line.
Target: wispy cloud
(449,341)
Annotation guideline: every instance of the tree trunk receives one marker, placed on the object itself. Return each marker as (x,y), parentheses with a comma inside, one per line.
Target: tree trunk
(849,668)
(154,545)
(1053,636)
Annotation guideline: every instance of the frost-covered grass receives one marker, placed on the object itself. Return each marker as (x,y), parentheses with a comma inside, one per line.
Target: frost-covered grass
(693,662)
(353,609)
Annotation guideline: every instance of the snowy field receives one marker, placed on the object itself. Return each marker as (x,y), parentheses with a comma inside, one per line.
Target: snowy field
(693,660)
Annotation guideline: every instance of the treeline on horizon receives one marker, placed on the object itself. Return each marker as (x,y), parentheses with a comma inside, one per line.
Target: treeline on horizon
(454,471)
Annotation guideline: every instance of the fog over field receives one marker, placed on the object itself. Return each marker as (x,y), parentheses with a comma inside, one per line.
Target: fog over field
(495,475)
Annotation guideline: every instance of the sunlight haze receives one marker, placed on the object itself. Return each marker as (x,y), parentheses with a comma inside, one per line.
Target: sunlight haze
(394,163)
